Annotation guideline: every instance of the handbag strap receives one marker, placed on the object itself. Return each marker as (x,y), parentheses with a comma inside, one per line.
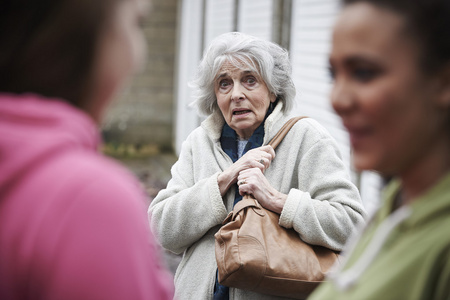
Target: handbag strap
(276,140)
(248,200)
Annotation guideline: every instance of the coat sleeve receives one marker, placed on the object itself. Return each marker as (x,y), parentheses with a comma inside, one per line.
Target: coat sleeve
(190,205)
(326,207)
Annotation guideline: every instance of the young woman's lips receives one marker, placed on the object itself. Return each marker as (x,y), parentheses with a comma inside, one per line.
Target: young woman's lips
(358,135)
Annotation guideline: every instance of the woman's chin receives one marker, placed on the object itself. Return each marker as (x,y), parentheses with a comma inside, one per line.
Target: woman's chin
(364,162)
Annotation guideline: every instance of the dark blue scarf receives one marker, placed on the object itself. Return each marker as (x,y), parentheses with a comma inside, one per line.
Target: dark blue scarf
(228,141)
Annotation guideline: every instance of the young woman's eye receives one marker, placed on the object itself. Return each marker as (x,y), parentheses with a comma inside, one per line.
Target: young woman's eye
(140,21)
(331,73)
(365,74)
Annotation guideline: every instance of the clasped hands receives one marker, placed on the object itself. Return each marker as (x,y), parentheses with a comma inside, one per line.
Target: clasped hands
(248,172)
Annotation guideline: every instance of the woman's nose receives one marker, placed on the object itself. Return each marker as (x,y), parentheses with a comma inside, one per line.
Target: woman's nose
(341,97)
(237,93)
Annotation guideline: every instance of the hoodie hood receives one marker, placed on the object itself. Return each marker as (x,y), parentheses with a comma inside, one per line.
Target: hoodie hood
(32,128)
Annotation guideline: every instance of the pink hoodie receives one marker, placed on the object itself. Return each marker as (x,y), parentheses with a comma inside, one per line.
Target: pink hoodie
(73,224)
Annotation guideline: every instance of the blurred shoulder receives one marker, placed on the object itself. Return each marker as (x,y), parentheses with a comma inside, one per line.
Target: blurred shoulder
(106,179)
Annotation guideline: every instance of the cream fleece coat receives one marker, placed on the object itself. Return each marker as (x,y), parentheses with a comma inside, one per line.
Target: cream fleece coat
(323,205)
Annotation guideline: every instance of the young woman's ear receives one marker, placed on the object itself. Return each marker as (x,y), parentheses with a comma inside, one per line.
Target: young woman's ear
(443,99)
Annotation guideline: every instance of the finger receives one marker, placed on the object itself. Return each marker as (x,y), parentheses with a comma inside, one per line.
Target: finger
(264,162)
(242,182)
(271,151)
(268,151)
(243,187)
(242,175)
(248,173)
(245,176)
(256,162)
(246,188)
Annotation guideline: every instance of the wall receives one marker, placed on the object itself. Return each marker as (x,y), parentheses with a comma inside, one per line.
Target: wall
(310,44)
(143,113)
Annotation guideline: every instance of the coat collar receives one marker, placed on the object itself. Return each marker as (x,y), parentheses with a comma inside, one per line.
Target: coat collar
(213,124)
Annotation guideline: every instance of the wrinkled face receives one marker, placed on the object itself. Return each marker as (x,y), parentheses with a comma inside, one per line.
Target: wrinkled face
(120,52)
(243,98)
(385,101)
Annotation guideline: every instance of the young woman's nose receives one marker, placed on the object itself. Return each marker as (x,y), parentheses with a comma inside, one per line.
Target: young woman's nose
(341,97)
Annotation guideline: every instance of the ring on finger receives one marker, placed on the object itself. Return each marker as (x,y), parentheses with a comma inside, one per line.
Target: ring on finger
(261,161)
(242,182)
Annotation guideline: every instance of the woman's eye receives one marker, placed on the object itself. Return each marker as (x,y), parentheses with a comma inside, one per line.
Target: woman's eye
(332,73)
(250,80)
(140,21)
(364,74)
(224,83)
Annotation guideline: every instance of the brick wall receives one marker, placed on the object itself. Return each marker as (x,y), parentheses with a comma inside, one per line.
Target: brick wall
(143,113)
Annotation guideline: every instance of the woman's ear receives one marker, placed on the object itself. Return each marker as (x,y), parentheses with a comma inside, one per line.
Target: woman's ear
(273,97)
(443,99)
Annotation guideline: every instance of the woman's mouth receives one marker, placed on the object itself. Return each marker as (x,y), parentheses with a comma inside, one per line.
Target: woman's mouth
(241,112)
(358,132)
(358,135)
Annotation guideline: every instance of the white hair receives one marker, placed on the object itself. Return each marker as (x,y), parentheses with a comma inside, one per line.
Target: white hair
(267,59)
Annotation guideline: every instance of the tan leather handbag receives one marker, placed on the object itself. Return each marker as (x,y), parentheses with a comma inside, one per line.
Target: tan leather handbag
(254,252)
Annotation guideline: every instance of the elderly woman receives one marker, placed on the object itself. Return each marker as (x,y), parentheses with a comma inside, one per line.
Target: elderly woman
(245,87)
(391,67)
